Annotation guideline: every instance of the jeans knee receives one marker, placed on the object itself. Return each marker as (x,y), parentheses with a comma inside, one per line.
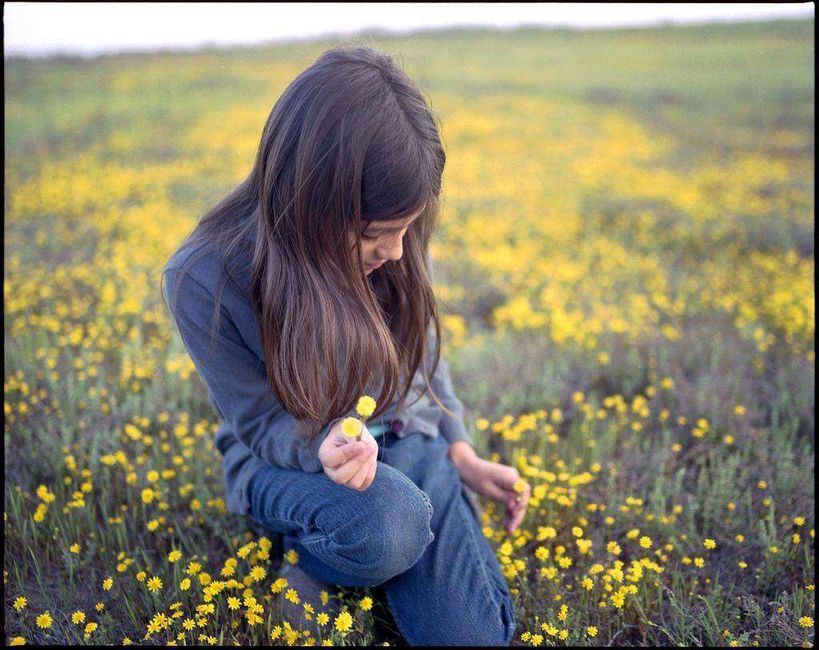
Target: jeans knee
(395,533)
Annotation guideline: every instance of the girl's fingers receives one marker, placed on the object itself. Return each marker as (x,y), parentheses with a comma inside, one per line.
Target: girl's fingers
(350,468)
(513,519)
(509,478)
(495,492)
(371,476)
(355,480)
(338,456)
(517,510)
(361,471)
(517,517)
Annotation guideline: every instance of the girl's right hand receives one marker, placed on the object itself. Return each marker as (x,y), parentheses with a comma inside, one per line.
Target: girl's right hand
(348,461)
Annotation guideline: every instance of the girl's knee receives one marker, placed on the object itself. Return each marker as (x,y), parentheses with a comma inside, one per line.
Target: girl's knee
(392,530)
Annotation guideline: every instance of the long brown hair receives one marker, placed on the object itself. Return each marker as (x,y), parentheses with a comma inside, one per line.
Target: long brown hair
(350,140)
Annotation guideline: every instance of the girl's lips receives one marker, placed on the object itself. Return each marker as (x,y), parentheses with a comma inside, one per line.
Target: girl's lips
(373,267)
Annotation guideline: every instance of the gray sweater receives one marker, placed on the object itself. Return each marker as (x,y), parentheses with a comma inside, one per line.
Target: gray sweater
(256,431)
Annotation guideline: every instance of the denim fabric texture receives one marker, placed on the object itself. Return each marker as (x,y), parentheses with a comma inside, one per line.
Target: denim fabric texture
(413,531)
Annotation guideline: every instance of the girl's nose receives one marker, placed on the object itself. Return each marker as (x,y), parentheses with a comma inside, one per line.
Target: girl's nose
(393,252)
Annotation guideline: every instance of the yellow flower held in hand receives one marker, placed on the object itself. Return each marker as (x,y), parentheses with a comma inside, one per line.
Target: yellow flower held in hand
(519,486)
(365,406)
(352,427)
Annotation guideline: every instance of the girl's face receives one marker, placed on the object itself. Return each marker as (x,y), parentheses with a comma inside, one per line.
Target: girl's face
(381,241)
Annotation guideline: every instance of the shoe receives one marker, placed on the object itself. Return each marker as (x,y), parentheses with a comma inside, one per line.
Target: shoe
(309,591)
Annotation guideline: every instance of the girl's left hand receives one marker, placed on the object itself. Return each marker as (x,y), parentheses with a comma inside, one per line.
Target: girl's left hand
(497,482)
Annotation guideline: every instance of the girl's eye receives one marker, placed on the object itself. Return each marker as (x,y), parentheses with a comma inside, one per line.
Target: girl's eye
(369,237)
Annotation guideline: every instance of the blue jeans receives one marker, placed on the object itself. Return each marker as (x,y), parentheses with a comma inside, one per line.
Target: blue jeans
(413,531)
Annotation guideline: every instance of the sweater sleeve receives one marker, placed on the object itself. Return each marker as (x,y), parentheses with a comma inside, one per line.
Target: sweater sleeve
(236,380)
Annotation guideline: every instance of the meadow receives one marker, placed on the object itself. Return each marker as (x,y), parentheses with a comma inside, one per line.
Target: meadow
(625,268)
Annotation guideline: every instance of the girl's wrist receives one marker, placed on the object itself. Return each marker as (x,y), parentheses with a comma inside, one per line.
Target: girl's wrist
(461,453)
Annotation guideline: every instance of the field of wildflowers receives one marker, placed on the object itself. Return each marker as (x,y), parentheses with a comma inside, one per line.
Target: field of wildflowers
(625,266)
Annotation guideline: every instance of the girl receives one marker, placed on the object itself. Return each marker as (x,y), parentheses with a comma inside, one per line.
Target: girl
(315,278)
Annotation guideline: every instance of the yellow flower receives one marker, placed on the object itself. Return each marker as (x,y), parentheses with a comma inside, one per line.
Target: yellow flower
(698,561)
(799,521)
(174,556)
(563,613)
(233,602)
(519,486)
(154,584)
(18,640)
(645,541)
(44,620)
(591,631)
(550,629)
(613,548)
(148,495)
(344,621)
(806,621)
(322,618)
(709,544)
(90,628)
(185,584)
(351,427)
(99,607)
(74,548)
(366,406)
(78,617)
(108,583)
(20,602)
(366,603)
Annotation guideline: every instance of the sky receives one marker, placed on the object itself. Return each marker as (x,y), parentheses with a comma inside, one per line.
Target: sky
(88,28)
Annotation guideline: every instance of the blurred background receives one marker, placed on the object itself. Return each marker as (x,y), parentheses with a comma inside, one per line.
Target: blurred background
(88,28)
(625,273)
